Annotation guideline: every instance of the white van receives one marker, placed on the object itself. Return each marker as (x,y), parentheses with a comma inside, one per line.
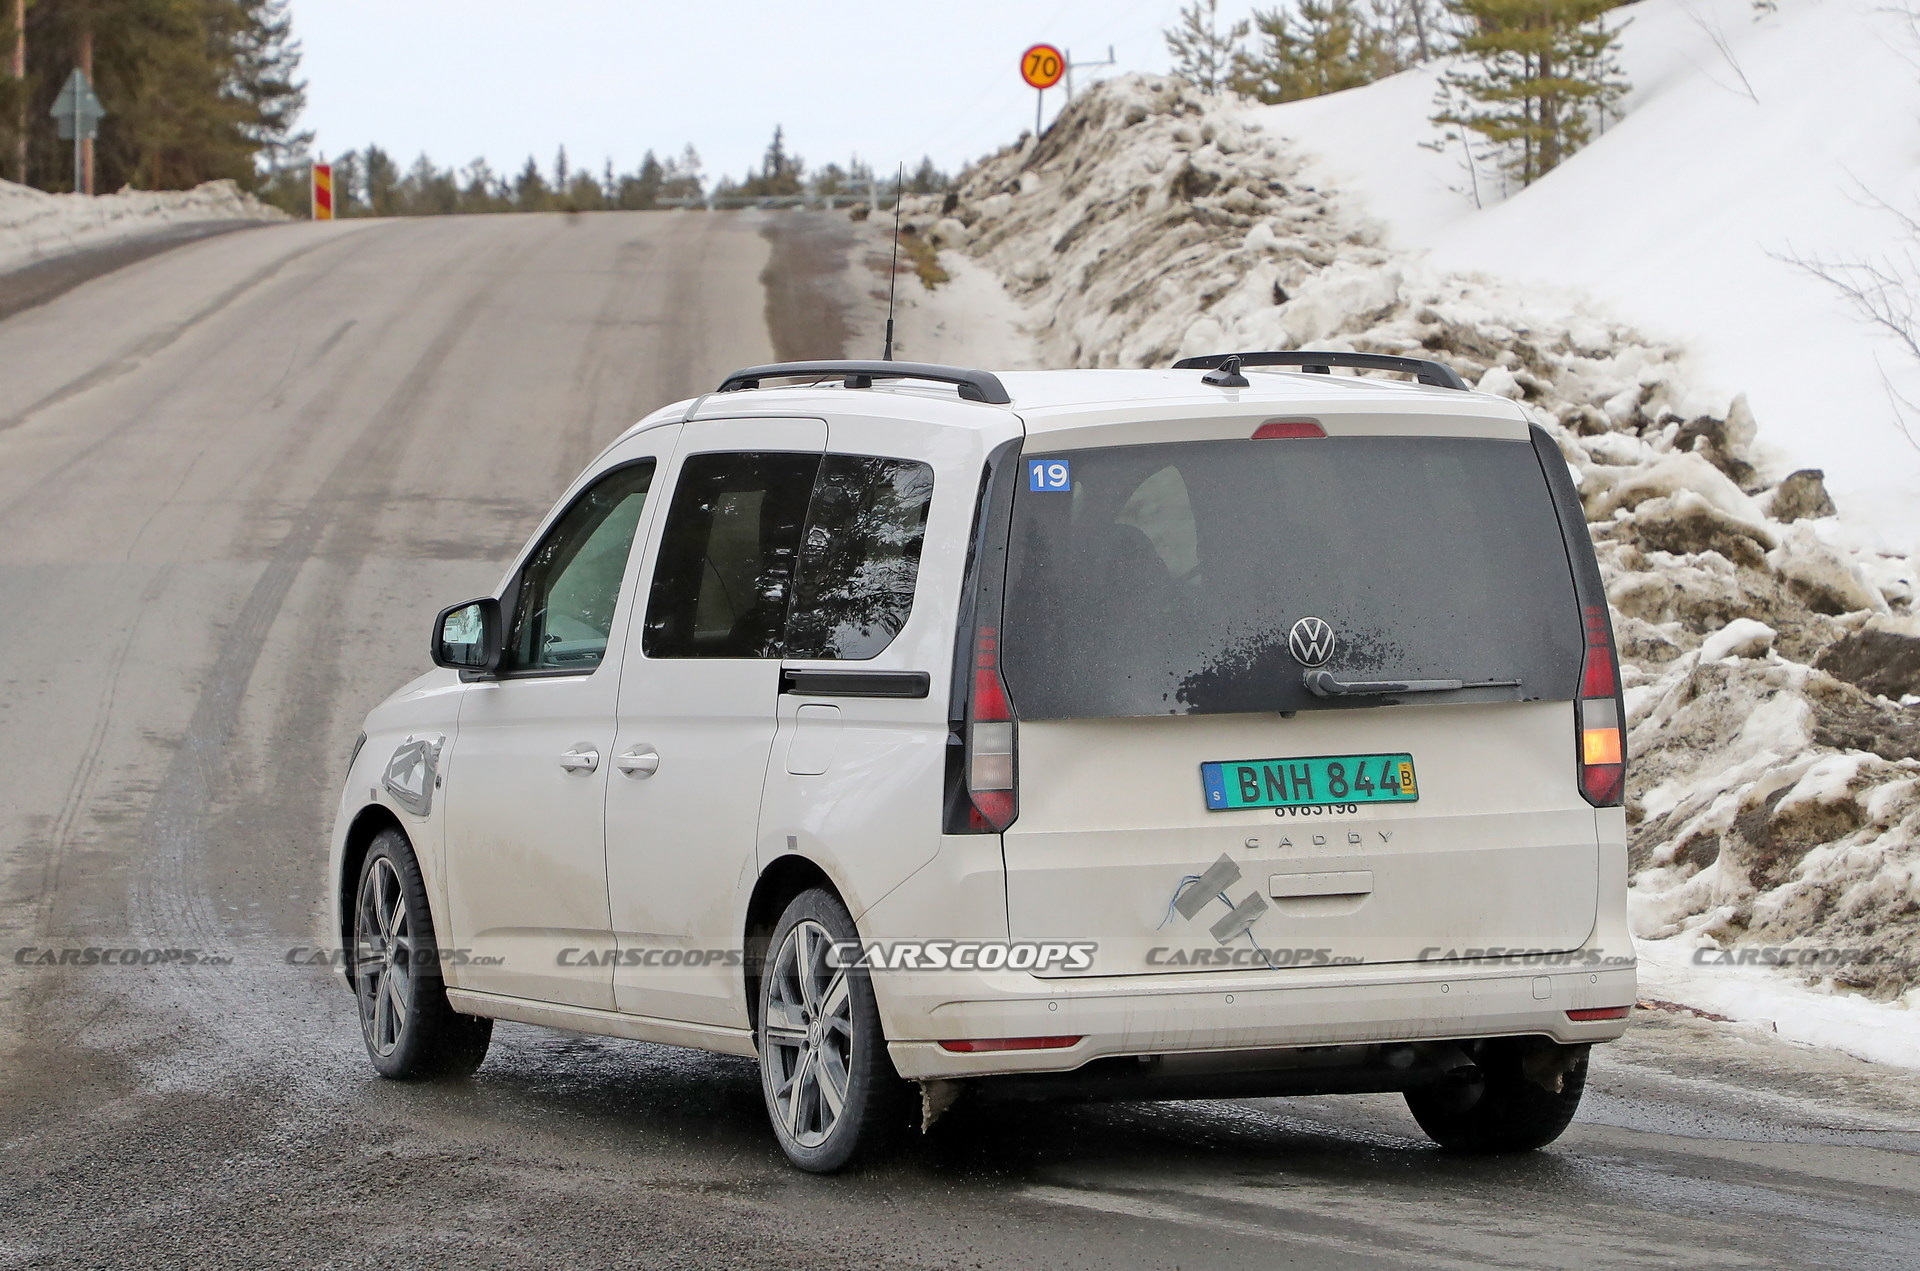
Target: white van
(1069,734)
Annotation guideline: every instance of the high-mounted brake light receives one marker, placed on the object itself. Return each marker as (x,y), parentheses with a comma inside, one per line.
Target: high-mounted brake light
(977,1046)
(1603,749)
(1592,1013)
(1275,429)
(989,739)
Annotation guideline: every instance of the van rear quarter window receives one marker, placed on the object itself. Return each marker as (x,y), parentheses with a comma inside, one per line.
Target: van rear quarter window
(1165,580)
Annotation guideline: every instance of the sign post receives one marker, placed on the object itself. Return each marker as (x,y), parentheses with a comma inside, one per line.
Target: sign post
(323,191)
(78,112)
(1041,66)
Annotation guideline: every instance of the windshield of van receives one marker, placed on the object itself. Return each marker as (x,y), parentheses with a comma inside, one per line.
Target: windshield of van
(1166,579)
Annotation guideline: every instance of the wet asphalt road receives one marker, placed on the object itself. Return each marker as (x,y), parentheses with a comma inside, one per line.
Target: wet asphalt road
(236,481)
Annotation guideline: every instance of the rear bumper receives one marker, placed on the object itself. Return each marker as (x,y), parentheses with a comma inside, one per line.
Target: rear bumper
(1139,1015)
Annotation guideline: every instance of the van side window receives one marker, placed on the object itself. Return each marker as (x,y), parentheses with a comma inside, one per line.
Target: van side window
(720,588)
(563,607)
(860,556)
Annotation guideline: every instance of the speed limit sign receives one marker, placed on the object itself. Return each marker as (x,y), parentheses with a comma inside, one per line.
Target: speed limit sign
(1042,66)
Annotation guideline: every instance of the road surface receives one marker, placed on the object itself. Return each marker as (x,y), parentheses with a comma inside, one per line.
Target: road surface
(236,481)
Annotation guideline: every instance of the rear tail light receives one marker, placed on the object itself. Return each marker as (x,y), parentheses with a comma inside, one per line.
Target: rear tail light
(1603,751)
(977,1046)
(1590,1014)
(989,738)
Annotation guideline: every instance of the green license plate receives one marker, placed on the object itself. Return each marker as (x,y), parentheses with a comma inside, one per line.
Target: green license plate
(1312,782)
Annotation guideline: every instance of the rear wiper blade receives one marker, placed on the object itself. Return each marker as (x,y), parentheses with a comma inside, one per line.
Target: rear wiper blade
(1323,684)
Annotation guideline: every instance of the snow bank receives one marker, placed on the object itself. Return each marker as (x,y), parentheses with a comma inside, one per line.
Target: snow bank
(35,225)
(1750,138)
(1775,792)
(1754,995)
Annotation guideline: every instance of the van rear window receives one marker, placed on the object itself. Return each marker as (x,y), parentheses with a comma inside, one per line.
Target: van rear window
(1164,579)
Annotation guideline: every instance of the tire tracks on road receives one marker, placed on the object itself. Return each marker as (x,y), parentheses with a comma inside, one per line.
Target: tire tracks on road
(161,340)
(171,901)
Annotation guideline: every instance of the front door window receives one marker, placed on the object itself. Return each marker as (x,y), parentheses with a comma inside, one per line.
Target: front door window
(563,610)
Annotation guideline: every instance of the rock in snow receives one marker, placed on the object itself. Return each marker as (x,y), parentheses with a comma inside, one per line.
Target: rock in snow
(1774,794)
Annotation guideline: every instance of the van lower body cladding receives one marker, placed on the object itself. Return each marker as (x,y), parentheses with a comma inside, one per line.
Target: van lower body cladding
(1124,1016)
(1441,1000)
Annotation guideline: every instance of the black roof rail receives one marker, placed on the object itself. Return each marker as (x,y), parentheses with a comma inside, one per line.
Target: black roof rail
(974,386)
(1437,374)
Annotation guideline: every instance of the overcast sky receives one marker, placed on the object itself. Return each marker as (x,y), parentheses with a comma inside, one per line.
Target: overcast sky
(460,79)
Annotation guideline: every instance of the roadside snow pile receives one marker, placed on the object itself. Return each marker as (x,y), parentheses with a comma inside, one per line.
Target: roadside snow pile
(1756,134)
(1775,796)
(35,225)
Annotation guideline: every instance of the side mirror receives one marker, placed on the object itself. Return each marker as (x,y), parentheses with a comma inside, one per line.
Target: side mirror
(466,636)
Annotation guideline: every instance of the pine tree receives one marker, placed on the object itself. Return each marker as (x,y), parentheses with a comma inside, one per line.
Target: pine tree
(1413,29)
(779,172)
(1203,55)
(641,191)
(266,66)
(426,190)
(481,190)
(382,176)
(681,176)
(828,181)
(583,194)
(1323,47)
(926,178)
(194,89)
(530,190)
(1535,77)
(349,198)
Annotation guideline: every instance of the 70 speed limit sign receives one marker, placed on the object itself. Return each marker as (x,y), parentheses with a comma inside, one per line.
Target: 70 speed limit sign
(1042,66)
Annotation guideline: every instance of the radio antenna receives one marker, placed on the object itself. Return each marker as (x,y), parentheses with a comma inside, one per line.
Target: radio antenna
(893,273)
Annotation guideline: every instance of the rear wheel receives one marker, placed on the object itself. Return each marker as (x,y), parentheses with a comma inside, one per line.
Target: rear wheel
(410,1030)
(1522,1096)
(830,1088)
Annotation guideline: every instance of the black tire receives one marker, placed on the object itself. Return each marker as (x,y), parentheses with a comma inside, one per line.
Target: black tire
(799,1019)
(410,1032)
(1502,1108)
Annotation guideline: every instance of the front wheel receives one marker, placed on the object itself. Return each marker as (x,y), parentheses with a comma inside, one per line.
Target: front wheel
(410,1030)
(830,1088)
(1521,1096)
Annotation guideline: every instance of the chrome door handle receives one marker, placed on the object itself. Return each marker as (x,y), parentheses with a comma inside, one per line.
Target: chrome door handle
(641,761)
(580,759)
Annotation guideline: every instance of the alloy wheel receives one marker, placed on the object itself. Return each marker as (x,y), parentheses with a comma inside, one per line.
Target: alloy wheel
(808,1035)
(383,956)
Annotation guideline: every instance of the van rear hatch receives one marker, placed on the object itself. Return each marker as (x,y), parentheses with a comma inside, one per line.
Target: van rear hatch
(1295,700)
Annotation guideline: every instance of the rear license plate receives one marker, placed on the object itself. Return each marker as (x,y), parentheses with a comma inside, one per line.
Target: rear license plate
(1311,782)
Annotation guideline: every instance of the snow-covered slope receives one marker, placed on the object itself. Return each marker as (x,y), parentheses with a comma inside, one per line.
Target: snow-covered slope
(1750,139)
(1774,797)
(35,225)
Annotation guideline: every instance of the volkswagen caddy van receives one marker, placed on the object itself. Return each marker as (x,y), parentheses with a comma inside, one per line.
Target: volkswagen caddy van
(1237,729)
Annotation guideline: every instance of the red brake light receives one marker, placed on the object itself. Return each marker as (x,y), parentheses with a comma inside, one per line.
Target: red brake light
(1589,1014)
(1601,731)
(1275,429)
(1598,677)
(975,1047)
(990,737)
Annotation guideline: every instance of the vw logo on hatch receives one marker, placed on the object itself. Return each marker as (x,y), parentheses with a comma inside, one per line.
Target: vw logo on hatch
(1312,641)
